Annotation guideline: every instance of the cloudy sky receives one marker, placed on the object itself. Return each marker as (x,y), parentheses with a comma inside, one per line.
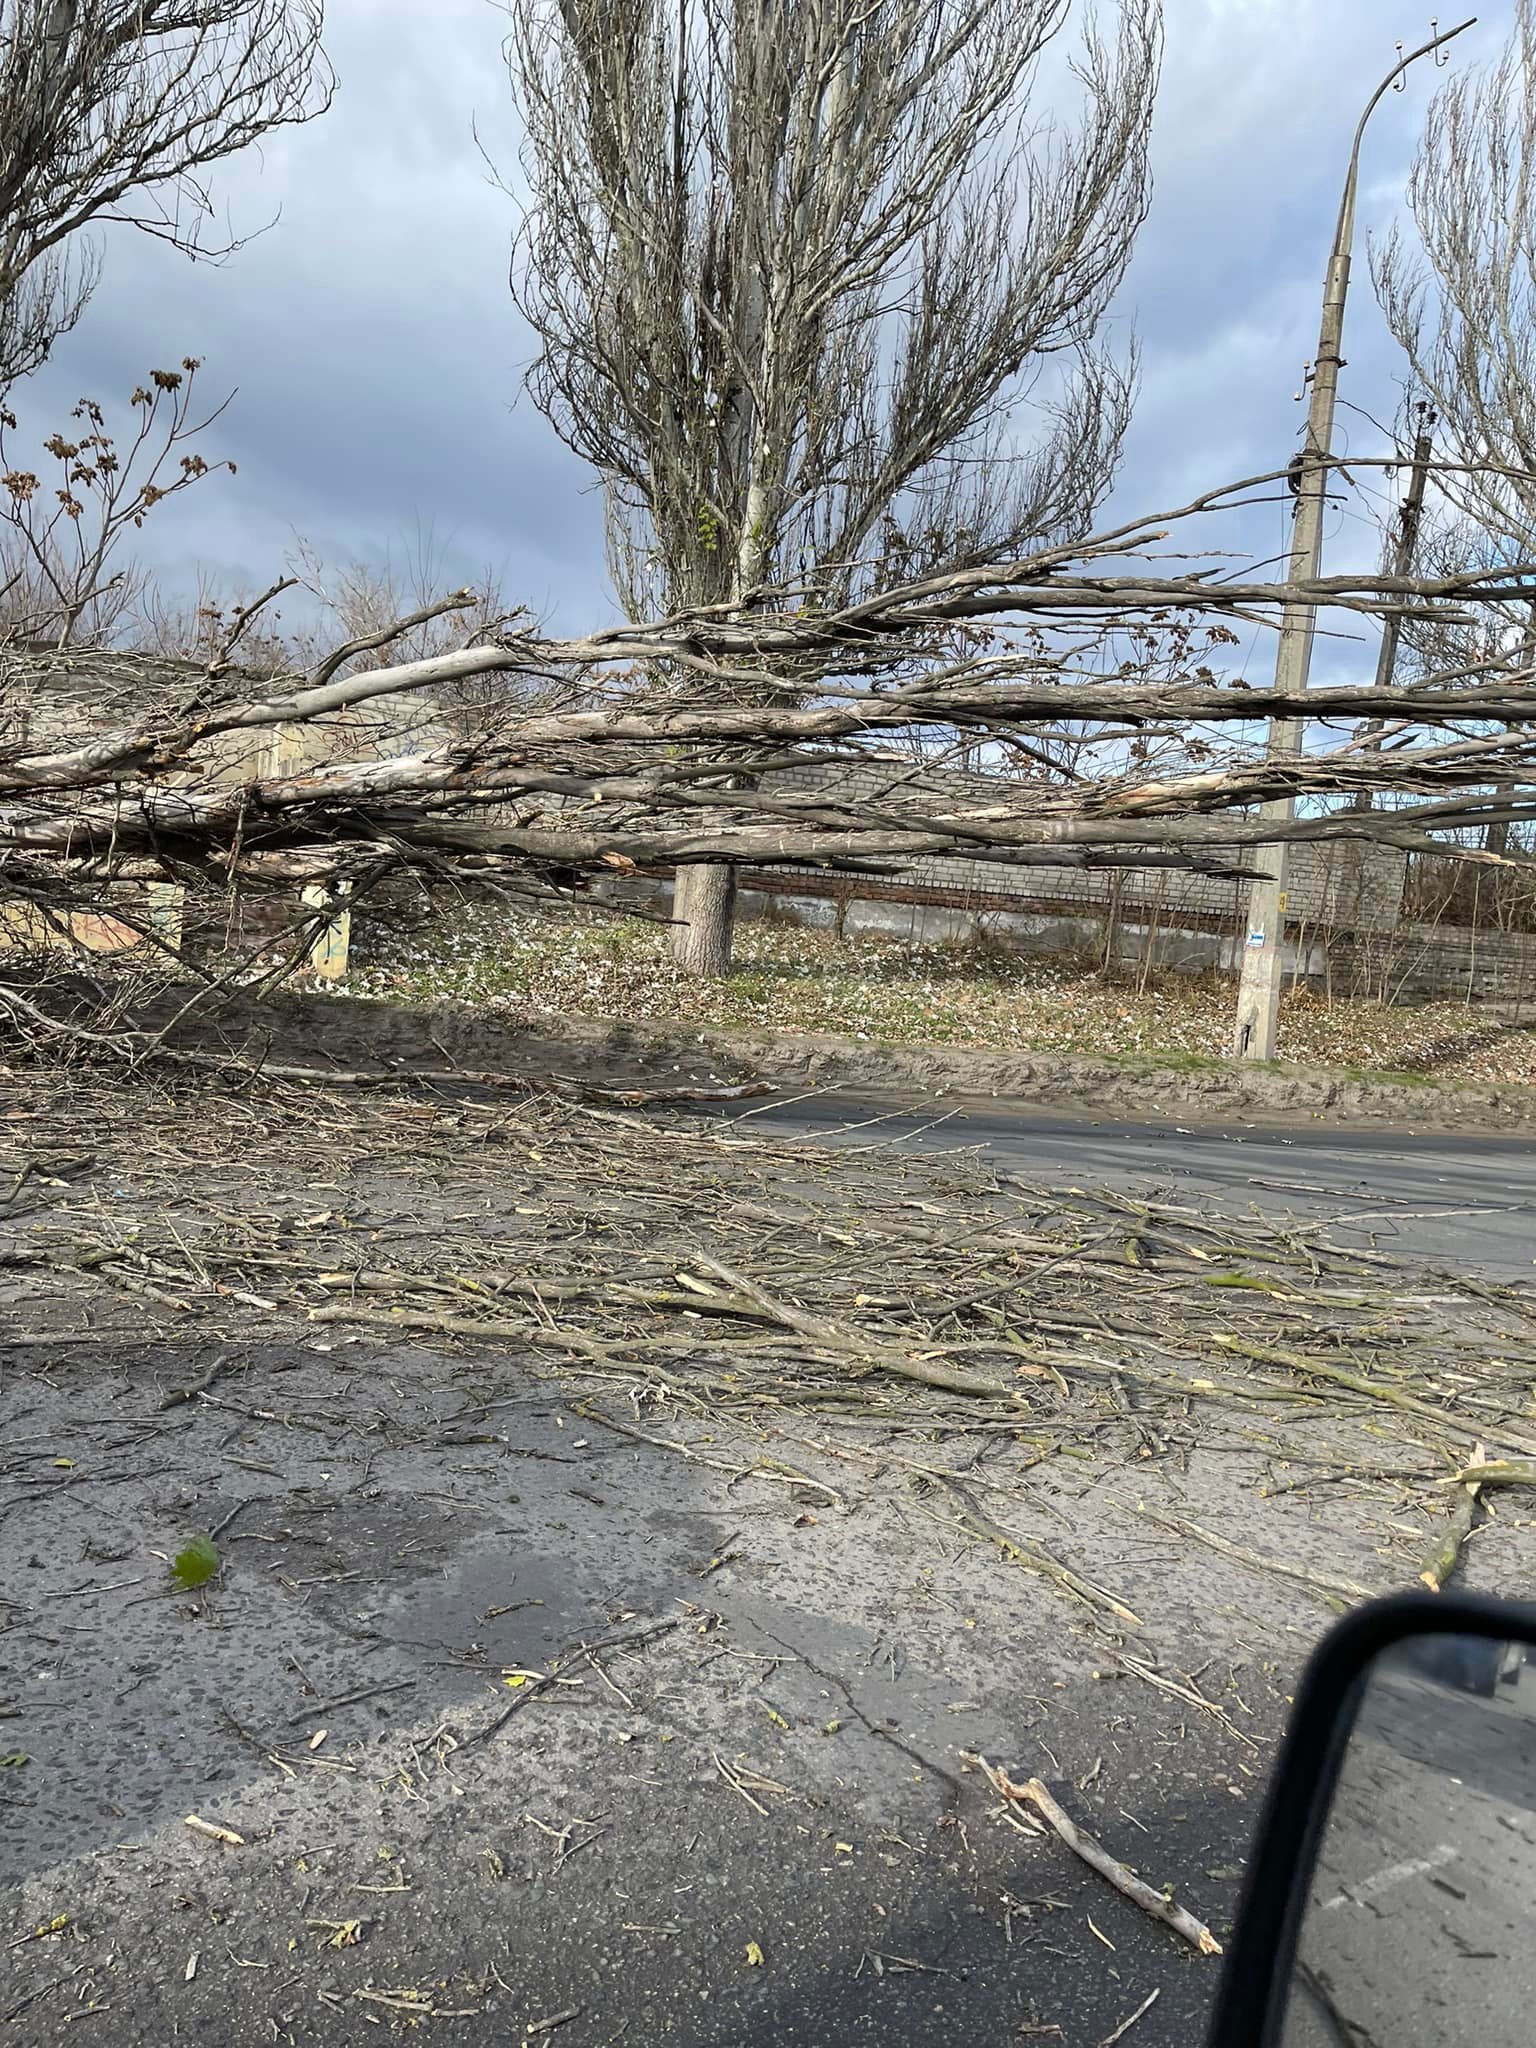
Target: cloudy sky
(376,357)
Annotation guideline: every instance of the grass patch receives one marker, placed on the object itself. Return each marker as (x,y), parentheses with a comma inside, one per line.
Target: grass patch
(886,992)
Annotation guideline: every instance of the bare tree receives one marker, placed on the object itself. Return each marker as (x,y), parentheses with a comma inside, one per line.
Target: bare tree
(383,612)
(113,110)
(797,274)
(1459,289)
(614,776)
(1459,293)
(59,531)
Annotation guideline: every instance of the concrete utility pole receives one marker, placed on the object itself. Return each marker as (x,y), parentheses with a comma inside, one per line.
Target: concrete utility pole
(1263,961)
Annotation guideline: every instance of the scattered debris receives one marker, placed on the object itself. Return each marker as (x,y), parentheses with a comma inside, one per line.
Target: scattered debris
(959,1365)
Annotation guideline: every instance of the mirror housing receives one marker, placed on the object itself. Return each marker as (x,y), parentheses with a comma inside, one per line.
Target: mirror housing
(1256,1981)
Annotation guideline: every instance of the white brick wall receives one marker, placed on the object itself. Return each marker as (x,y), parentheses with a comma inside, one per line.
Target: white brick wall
(1337,885)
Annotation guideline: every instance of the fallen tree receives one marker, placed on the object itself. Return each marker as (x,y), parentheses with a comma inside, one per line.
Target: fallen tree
(665,744)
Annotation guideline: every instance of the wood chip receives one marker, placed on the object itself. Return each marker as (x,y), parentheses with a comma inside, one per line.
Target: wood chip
(214,1832)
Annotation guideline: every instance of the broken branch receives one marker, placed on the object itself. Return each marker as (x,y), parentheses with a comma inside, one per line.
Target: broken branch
(1124,1880)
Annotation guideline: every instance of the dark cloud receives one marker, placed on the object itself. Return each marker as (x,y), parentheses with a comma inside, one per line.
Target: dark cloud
(369,332)
(1259,105)
(377,354)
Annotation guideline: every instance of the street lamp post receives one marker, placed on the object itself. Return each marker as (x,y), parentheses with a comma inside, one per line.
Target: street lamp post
(1258,996)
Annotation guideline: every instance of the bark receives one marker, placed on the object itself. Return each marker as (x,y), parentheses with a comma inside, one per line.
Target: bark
(704,908)
(1496,835)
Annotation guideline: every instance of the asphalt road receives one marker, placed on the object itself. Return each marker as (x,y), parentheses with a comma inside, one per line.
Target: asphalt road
(753,1830)
(1417,1928)
(413,1525)
(1451,1200)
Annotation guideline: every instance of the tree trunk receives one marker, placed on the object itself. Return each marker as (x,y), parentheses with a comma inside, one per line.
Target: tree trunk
(703,909)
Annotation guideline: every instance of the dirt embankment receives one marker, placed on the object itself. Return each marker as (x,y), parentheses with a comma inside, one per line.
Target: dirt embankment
(345,1034)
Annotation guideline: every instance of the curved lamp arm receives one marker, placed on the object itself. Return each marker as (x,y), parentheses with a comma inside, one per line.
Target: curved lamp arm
(1344,234)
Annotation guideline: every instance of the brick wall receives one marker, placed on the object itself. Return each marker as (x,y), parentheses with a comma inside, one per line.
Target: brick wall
(1421,962)
(1337,887)
(1344,905)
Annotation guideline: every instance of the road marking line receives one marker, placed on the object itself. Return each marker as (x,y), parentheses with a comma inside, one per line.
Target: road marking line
(1394,1874)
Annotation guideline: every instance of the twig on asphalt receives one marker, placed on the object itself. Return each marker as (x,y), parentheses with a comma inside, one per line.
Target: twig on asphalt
(1446,1555)
(535,1688)
(1322,1582)
(735,1783)
(220,1526)
(352,1699)
(1494,1472)
(1032,1557)
(178,1395)
(554,2019)
(1140,1668)
(1126,2025)
(1184,1924)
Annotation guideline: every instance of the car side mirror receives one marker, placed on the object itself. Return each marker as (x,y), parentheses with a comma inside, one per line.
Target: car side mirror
(1391,1893)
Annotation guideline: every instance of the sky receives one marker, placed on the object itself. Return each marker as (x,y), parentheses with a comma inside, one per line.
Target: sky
(375,358)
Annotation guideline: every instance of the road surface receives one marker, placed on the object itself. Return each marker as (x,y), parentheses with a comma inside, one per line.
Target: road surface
(1452,1200)
(1417,1930)
(750,1819)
